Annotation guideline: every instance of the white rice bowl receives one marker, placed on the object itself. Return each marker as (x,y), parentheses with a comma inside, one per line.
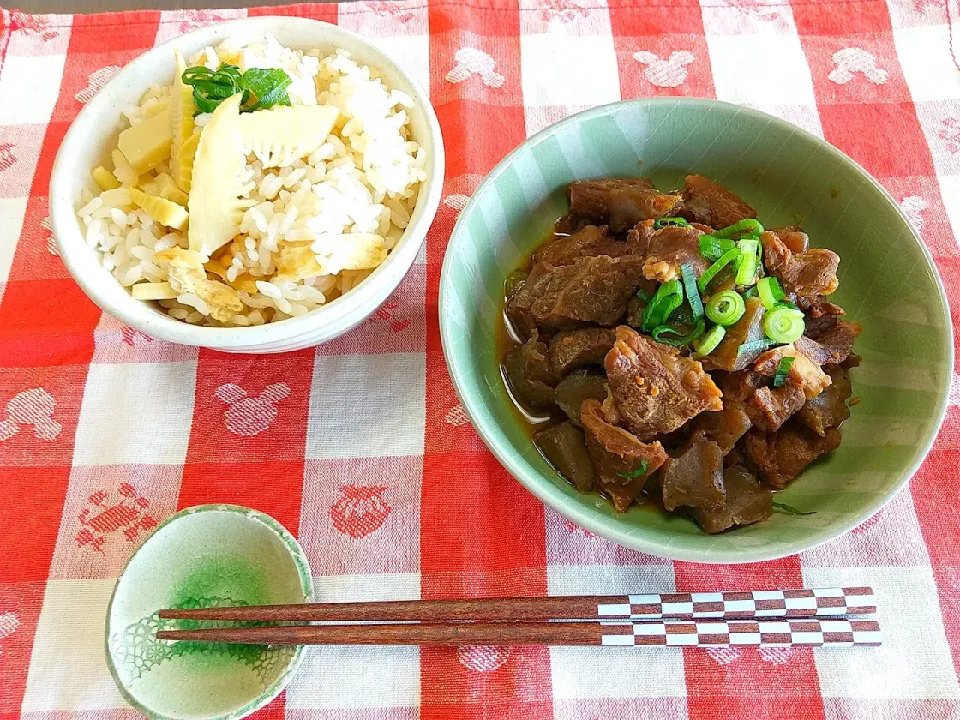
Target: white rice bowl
(350,199)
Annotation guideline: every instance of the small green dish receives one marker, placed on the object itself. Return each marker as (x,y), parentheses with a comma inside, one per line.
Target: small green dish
(888,283)
(204,556)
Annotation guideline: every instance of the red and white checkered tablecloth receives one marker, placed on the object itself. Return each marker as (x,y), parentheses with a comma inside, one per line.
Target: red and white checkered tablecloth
(369,458)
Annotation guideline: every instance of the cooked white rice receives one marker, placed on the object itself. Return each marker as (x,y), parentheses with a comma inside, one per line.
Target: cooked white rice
(356,191)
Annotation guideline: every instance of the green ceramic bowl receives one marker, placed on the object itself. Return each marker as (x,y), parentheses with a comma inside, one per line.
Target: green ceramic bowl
(204,556)
(888,282)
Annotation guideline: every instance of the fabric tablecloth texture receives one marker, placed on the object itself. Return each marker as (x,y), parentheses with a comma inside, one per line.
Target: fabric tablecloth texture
(366,454)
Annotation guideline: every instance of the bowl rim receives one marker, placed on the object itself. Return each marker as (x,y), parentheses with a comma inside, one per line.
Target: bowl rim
(610,528)
(306,583)
(339,314)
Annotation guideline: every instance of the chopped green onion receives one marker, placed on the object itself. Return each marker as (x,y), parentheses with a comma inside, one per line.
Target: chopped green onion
(262,88)
(783,325)
(726,307)
(708,343)
(747,274)
(668,298)
(783,369)
(789,509)
(754,346)
(770,292)
(750,292)
(682,316)
(664,222)
(642,295)
(634,473)
(660,334)
(748,226)
(713,248)
(711,272)
(690,286)
(786,304)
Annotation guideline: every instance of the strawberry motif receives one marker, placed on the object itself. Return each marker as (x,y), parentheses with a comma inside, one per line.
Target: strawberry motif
(360,510)
(456,416)
(482,658)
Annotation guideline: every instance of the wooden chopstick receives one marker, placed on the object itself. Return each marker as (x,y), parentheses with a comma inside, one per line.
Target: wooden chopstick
(676,633)
(824,602)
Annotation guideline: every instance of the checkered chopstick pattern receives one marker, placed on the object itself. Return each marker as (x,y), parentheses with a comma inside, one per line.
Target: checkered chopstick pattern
(757,603)
(770,633)
(370,459)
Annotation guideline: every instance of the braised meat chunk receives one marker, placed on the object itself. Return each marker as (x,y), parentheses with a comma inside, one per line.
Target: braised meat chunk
(746,502)
(694,478)
(590,290)
(578,348)
(807,274)
(665,348)
(673,247)
(724,427)
(769,408)
(589,240)
(729,356)
(528,373)
(576,387)
(833,346)
(655,389)
(707,203)
(623,462)
(779,457)
(620,203)
(564,446)
(829,408)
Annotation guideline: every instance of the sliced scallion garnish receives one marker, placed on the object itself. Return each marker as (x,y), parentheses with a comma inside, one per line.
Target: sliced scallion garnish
(748,226)
(789,509)
(712,271)
(664,222)
(783,369)
(754,346)
(664,333)
(783,325)
(690,287)
(770,292)
(668,298)
(634,473)
(713,248)
(708,343)
(262,88)
(726,307)
(747,273)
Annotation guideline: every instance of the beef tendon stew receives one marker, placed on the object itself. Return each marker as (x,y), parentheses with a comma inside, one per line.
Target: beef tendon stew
(666,348)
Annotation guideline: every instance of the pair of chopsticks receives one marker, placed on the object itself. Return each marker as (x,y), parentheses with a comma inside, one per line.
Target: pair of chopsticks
(809,617)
